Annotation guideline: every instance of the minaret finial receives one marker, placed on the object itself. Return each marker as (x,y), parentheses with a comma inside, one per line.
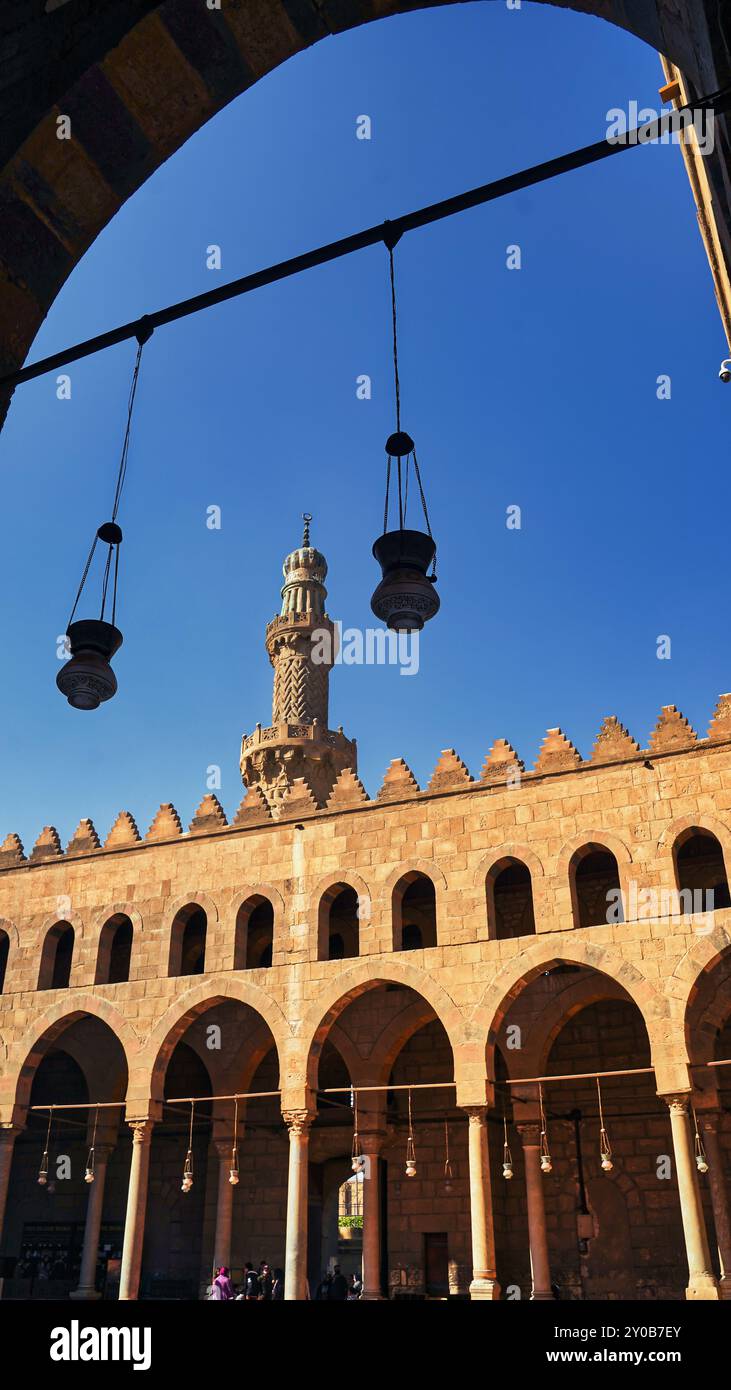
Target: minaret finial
(307,518)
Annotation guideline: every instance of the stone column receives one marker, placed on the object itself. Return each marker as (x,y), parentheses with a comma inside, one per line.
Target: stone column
(92,1227)
(224,1205)
(8,1137)
(530,1135)
(484,1277)
(702,1281)
(295,1261)
(372,1145)
(134,1225)
(719,1198)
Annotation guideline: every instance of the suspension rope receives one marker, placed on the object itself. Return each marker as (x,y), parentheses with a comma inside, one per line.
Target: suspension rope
(396,382)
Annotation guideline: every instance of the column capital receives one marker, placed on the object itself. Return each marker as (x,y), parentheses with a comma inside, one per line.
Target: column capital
(10,1132)
(103,1152)
(298,1121)
(530,1133)
(678,1102)
(141,1130)
(372,1141)
(476,1114)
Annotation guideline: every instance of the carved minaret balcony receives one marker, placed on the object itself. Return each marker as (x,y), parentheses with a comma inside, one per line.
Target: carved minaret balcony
(300,645)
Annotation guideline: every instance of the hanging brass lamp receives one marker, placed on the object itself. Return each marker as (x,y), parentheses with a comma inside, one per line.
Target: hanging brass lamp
(87,679)
(406,598)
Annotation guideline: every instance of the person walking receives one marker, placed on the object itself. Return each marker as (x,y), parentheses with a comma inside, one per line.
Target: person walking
(338,1290)
(223,1282)
(265,1282)
(278,1286)
(251,1283)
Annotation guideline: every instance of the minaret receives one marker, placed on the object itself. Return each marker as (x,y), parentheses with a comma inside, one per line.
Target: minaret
(301,647)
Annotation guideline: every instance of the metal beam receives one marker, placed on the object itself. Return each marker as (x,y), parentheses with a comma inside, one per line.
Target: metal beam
(388,232)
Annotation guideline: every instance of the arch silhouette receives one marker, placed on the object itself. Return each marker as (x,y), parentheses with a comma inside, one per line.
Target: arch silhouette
(331,1002)
(27,1051)
(190,73)
(159,1045)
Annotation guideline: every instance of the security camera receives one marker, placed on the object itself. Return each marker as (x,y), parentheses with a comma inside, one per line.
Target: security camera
(725,372)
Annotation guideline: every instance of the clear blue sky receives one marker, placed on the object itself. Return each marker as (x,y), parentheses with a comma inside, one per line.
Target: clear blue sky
(534,387)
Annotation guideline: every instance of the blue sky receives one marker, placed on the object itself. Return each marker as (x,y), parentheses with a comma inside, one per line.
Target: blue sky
(534,387)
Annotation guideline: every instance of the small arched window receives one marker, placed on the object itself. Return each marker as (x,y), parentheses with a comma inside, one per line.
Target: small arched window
(338,936)
(254,934)
(595,887)
(115,951)
(188,941)
(510,900)
(700,872)
(414,909)
(56,957)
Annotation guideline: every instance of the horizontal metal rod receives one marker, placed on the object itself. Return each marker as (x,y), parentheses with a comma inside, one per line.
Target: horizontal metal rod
(403,1086)
(83,1105)
(389,232)
(242,1095)
(359,1090)
(576,1076)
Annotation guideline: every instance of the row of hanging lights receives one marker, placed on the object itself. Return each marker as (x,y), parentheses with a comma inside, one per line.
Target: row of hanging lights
(546,1162)
(405,599)
(605,1149)
(358,1157)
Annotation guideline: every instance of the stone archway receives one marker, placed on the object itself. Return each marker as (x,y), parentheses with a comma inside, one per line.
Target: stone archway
(139,81)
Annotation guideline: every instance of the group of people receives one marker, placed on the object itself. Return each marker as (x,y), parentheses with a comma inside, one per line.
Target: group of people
(335,1288)
(266,1285)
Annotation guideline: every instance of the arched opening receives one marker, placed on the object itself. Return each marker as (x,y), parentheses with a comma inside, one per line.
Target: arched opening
(56,957)
(115,951)
(510,900)
(188,941)
(338,936)
(254,934)
(392,1036)
(4,952)
(708,1041)
(700,871)
(79,1063)
(414,913)
(595,887)
(222,1048)
(608,1234)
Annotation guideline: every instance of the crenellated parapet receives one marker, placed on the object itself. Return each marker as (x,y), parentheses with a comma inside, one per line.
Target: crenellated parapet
(295,770)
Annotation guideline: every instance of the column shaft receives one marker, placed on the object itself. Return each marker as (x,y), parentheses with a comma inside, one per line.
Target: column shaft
(134,1226)
(295,1263)
(701,1281)
(7,1144)
(719,1198)
(537,1234)
(224,1207)
(92,1227)
(372,1218)
(484,1277)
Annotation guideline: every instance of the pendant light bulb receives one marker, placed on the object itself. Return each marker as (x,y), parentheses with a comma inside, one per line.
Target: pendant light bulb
(187,1182)
(507,1156)
(410,1147)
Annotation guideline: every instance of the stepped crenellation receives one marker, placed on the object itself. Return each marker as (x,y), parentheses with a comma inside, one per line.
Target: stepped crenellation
(502,768)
